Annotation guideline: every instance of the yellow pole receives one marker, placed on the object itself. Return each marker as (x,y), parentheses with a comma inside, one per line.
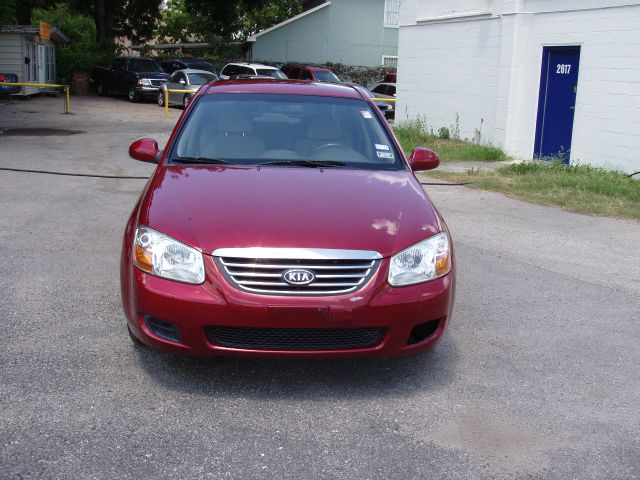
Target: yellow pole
(166,103)
(68,100)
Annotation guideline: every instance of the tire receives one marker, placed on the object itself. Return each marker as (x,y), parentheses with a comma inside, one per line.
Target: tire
(186,100)
(133,95)
(161,98)
(102,91)
(135,340)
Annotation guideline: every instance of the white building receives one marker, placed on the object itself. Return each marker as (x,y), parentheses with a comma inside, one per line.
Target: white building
(535,77)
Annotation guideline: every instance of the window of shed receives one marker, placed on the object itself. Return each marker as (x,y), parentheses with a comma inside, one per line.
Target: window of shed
(391,13)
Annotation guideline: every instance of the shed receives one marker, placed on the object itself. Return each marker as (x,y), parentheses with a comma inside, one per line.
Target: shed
(25,52)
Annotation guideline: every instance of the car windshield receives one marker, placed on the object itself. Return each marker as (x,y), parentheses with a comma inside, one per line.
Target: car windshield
(203,66)
(142,65)
(271,72)
(326,76)
(200,78)
(296,130)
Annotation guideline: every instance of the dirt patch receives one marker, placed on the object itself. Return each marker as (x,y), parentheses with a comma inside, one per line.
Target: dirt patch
(39,132)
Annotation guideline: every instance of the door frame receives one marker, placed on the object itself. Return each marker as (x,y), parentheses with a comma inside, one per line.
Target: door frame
(543,91)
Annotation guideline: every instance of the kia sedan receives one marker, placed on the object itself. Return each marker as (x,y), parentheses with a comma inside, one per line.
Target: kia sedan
(284,220)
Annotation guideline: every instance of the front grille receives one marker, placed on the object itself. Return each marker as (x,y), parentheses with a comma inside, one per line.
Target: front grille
(262,271)
(158,83)
(294,339)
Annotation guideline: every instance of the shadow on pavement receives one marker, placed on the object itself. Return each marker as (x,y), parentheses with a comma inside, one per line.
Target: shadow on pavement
(303,379)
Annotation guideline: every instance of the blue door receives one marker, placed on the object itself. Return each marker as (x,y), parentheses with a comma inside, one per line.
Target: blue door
(558,89)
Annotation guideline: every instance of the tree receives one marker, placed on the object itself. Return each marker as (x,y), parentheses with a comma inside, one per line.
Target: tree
(178,25)
(236,19)
(133,19)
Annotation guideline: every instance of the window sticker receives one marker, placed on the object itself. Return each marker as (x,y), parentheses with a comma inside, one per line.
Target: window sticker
(385,154)
(382,147)
(366,113)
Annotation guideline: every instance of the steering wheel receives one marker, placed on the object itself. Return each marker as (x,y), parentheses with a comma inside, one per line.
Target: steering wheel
(329,145)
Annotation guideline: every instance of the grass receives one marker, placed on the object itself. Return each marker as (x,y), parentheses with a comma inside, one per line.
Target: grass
(415,134)
(582,189)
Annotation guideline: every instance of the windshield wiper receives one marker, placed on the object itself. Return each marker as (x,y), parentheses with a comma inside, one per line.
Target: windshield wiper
(203,160)
(307,163)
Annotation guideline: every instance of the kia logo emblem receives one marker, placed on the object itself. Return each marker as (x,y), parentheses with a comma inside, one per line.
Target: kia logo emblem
(298,276)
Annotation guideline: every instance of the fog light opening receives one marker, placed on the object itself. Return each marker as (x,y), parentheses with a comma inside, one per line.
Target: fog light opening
(163,329)
(423,331)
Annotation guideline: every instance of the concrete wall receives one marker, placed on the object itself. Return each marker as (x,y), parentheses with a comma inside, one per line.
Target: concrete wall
(346,31)
(486,69)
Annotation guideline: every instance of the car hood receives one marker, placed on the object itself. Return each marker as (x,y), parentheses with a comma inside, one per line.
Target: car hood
(217,207)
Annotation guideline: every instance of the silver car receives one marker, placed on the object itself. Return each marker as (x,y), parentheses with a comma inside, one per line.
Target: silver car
(185,79)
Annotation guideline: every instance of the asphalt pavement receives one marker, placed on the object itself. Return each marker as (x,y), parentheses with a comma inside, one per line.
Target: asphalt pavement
(536,378)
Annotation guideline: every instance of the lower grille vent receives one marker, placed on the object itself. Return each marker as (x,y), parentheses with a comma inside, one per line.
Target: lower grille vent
(294,339)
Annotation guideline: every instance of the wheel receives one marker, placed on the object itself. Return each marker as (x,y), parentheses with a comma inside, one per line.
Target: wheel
(161,98)
(133,95)
(136,341)
(186,100)
(101,90)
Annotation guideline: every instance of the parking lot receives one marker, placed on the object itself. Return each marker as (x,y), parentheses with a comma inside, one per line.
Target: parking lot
(537,376)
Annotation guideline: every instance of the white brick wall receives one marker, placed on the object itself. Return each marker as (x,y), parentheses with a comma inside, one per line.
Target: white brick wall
(489,68)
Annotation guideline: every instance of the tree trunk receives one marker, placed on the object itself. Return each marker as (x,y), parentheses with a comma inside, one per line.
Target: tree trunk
(104,15)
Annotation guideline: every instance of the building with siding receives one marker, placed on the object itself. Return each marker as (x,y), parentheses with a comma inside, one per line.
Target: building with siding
(539,78)
(352,32)
(26,54)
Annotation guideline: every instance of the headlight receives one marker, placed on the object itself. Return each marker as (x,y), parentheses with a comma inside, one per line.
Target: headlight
(165,257)
(424,261)
(144,81)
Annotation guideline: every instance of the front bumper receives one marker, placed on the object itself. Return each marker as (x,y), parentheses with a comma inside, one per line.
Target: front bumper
(178,317)
(147,91)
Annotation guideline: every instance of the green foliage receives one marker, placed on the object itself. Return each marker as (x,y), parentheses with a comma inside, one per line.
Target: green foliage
(416,133)
(81,53)
(580,188)
(443,132)
(267,15)
(177,25)
(7,12)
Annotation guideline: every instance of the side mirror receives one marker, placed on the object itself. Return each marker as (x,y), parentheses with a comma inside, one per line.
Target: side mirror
(423,159)
(144,150)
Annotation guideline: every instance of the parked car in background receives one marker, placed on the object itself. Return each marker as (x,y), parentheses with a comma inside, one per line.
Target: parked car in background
(234,69)
(390,77)
(171,66)
(9,89)
(137,77)
(304,72)
(186,79)
(385,90)
(283,219)
(387,108)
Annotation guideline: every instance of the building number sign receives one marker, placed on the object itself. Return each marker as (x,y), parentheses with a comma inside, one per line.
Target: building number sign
(563,68)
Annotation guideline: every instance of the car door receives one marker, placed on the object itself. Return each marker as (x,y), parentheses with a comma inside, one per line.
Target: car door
(118,75)
(176,85)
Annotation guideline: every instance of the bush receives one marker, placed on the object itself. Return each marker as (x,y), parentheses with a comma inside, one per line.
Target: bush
(81,53)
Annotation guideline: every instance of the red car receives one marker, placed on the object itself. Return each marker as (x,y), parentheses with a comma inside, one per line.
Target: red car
(284,220)
(308,72)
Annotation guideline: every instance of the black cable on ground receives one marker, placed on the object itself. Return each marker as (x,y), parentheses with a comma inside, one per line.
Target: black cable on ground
(629,176)
(447,184)
(91,175)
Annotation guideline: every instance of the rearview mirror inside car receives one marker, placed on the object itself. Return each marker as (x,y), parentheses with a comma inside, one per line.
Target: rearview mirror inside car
(144,150)
(423,159)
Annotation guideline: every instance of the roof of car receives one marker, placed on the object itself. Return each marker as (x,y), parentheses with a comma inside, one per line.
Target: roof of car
(310,67)
(194,70)
(291,87)
(252,65)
